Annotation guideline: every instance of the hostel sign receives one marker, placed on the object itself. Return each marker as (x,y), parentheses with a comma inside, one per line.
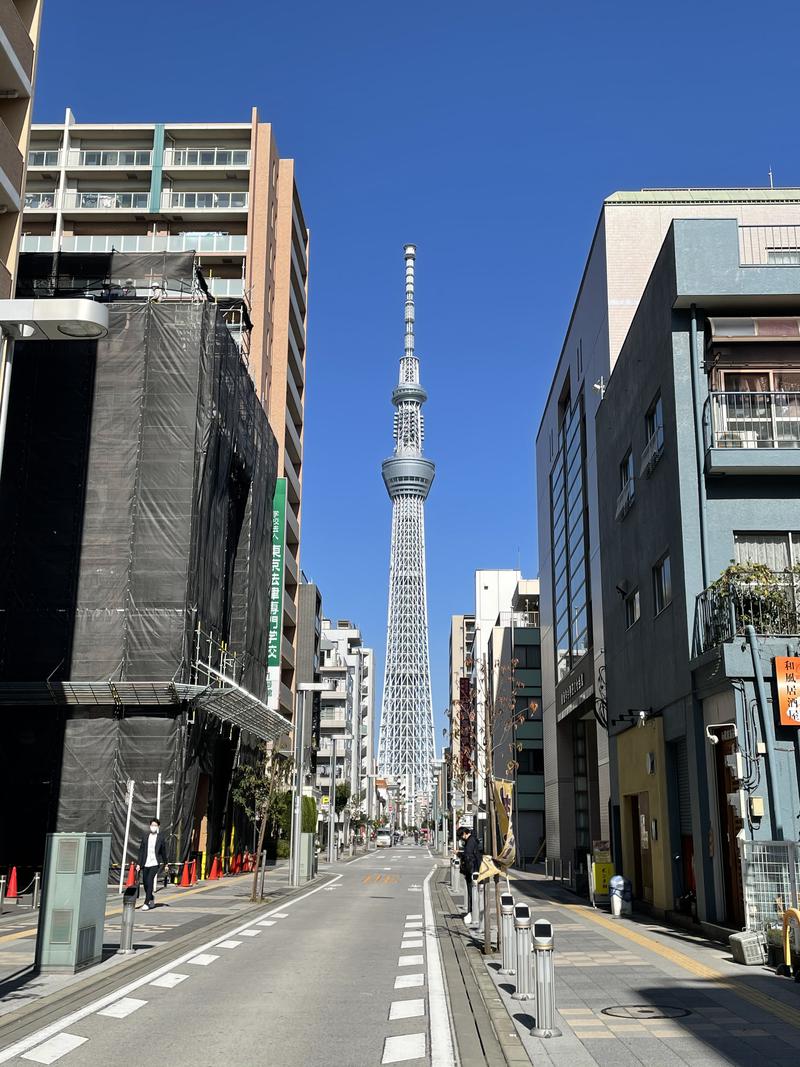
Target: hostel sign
(276,594)
(787,677)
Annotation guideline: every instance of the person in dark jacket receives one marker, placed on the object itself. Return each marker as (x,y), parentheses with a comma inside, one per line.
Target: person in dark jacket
(152,855)
(469,862)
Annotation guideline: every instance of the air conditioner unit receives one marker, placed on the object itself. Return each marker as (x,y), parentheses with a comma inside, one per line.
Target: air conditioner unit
(651,454)
(624,501)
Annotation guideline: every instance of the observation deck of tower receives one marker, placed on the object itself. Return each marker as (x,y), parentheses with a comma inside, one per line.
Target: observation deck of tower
(406,745)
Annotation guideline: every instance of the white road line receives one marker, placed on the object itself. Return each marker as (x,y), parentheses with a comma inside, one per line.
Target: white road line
(250,933)
(229,944)
(203,959)
(411,961)
(266,922)
(414,924)
(123,1008)
(442,1048)
(413,916)
(169,981)
(411,944)
(407,1047)
(409,981)
(283,915)
(55,1048)
(21,1047)
(406,1009)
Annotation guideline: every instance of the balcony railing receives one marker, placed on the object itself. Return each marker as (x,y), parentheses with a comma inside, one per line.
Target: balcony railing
(207,157)
(106,201)
(30,242)
(769,246)
(40,201)
(651,453)
(752,420)
(231,287)
(179,242)
(625,499)
(49,157)
(117,157)
(172,201)
(519,618)
(772,607)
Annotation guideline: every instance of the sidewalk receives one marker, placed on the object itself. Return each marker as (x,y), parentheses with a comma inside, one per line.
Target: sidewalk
(178,912)
(634,991)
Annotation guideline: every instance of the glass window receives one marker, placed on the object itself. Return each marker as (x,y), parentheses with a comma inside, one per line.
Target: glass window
(632,609)
(778,551)
(530,761)
(654,419)
(626,470)
(662,584)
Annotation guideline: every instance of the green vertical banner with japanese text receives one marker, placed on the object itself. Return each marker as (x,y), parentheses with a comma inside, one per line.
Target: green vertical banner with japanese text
(276,594)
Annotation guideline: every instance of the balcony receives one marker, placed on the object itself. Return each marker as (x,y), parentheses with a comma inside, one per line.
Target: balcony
(651,453)
(49,158)
(16,52)
(33,243)
(767,601)
(625,500)
(769,246)
(11,167)
(520,618)
(210,201)
(180,242)
(201,158)
(41,201)
(75,200)
(115,158)
(752,433)
(226,287)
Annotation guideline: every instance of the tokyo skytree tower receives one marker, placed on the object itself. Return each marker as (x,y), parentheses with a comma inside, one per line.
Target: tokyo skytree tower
(406,745)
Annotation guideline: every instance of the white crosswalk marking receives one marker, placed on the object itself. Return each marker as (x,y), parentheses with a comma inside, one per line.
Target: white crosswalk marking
(249,933)
(203,959)
(229,944)
(54,1049)
(122,1008)
(406,1047)
(413,916)
(169,981)
(411,944)
(410,961)
(266,922)
(409,981)
(406,1009)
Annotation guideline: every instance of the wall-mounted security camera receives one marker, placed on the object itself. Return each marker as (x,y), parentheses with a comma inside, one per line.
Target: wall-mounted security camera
(712,738)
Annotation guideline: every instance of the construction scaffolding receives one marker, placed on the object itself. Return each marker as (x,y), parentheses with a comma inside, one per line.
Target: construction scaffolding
(136,495)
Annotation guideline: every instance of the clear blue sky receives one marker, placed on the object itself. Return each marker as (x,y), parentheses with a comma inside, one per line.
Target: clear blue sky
(487,134)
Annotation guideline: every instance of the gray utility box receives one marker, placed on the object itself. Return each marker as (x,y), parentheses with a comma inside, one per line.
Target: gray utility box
(308,865)
(73,908)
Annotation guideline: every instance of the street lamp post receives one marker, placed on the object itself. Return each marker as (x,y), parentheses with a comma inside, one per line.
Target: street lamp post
(299,748)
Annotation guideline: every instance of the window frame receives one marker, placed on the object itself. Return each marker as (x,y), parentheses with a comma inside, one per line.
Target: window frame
(632,617)
(662,589)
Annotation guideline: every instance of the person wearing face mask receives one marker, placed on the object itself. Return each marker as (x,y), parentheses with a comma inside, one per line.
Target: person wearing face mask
(152,855)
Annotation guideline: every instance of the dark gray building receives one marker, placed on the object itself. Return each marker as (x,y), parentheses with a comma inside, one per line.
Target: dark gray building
(309,630)
(698,452)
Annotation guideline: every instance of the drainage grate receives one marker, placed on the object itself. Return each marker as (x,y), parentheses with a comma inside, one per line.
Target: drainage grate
(646,1011)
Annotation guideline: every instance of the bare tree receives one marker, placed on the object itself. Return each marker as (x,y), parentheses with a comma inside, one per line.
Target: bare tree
(257,788)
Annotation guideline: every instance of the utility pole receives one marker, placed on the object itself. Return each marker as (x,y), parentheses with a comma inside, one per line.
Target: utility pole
(299,750)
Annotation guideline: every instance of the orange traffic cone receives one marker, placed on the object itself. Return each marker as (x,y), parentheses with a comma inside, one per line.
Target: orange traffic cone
(131,881)
(246,862)
(185,876)
(214,874)
(11,891)
(239,867)
(193,874)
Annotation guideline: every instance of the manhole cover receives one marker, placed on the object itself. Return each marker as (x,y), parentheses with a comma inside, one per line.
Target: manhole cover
(646,1011)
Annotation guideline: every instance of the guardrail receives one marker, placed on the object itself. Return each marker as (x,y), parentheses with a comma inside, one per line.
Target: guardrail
(752,420)
(772,608)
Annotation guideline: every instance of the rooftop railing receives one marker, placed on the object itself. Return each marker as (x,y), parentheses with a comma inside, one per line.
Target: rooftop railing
(207,157)
(770,604)
(769,246)
(752,420)
(519,618)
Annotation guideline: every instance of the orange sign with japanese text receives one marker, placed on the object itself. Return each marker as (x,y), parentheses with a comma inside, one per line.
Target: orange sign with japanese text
(787,676)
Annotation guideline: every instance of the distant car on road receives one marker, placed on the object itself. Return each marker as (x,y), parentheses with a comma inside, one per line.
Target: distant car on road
(383,839)
(398,837)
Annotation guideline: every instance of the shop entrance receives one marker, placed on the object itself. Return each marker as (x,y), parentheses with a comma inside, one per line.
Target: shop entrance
(642,856)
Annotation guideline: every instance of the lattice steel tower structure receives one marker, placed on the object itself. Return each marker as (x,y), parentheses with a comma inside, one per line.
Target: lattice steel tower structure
(406,746)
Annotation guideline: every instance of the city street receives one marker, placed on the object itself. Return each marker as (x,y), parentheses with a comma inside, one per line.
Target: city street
(344,973)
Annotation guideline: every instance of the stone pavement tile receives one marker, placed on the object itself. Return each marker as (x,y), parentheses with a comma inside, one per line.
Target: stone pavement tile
(652,1052)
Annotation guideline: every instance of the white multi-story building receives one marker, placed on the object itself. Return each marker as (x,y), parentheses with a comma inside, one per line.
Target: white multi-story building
(347,715)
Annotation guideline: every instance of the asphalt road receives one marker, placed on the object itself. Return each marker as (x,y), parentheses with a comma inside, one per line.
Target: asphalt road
(346,974)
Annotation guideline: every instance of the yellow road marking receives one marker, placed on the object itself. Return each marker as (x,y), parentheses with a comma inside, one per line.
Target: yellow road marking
(783,1012)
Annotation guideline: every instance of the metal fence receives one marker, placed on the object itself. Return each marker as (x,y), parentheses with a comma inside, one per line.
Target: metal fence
(770,876)
(772,608)
(753,420)
(769,246)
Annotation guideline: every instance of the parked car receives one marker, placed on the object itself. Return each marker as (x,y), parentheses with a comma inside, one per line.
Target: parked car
(383,839)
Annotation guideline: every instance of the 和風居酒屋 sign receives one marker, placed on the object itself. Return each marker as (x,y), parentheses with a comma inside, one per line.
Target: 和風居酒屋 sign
(787,679)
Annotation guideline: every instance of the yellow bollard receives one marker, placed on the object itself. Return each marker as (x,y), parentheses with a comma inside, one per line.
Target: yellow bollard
(789,915)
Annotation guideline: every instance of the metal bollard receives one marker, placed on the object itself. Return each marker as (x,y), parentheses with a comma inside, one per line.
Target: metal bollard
(522,940)
(507,933)
(36,888)
(2,893)
(454,872)
(466,891)
(545,980)
(128,912)
(477,902)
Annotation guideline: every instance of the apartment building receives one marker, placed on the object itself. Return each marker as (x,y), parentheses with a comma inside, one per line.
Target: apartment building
(223,191)
(515,693)
(309,658)
(580,765)
(19,47)
(698,446)
(462,740)
(346,750)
